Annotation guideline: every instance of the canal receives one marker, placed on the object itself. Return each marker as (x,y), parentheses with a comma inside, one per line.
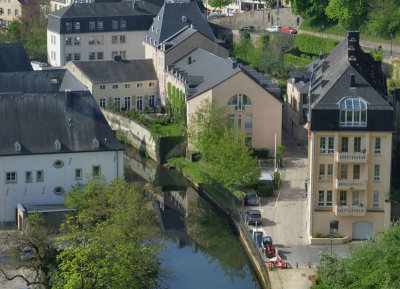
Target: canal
(200,248)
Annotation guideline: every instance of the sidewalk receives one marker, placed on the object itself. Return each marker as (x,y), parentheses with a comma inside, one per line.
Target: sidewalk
(291,278)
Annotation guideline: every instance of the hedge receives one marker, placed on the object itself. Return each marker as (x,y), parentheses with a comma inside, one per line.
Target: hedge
(296,60)
(314,44)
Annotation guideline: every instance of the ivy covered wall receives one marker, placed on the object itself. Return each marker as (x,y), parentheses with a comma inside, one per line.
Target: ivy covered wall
(176,103)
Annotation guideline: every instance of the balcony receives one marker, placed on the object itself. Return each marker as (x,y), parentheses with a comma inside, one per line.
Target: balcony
(347,211)
(351,185)
(351,157)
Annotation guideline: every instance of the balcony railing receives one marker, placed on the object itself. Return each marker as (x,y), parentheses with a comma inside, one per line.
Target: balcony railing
(351,184)
(351,157)
(343,211)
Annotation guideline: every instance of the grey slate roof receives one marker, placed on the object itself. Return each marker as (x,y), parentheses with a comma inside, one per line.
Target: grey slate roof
(35,113)
(13,58)
(117,71)
(138,15)
(177,38)
(207,70)
(172,17)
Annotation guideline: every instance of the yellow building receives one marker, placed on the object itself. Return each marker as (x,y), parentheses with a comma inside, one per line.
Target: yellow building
(350,144)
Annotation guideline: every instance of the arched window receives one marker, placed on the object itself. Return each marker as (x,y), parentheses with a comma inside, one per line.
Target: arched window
(240,101)
(353,111)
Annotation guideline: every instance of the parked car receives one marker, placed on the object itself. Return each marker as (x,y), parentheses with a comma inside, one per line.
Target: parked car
(253,217)
(214,15)
(257,236)
(274,29)
(248,28)
(266,177)
(252,199)
(289,30)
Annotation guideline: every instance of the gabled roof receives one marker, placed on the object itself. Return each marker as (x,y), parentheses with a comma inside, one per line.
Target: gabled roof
(35,114)
(177,38)
(172,17)
(13,58)
(117,71)
(203,70)
(331,77)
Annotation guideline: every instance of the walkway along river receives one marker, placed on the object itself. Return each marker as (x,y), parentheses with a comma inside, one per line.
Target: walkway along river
(201,249)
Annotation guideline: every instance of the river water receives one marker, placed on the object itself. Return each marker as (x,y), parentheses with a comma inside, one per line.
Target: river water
(200,248)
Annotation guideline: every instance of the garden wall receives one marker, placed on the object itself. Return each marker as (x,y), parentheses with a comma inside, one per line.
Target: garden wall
(158,149)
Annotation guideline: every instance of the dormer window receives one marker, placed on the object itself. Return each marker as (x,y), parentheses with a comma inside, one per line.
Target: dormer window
(68,26)
(114,25)
(122,24)
(17,146)
(158,18)
(92,25)
(353,112)
(99,24)
(77,26)
(95,143)
(57,144)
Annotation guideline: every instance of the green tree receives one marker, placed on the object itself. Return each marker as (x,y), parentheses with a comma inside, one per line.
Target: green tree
(112,240)
(350,14)
(14,31)
(41,260)
(309,8)
(372,264)
(384,18)
(219,3)
(227,159)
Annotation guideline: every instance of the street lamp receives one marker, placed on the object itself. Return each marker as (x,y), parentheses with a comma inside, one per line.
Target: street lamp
(391,41)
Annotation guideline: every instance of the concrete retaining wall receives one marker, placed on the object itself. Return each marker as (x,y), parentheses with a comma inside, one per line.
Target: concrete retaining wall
(327,241)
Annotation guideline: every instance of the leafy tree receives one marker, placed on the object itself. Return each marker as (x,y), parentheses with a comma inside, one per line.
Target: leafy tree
(111,241)
(14,31)
(42,258)
(226,156)
(373,264)
(351,14)
(384,18)
(219,3)
(309,8)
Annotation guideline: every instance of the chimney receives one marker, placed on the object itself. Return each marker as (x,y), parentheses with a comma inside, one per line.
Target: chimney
(68,98)
(353,39)
(189,60)
(352,80)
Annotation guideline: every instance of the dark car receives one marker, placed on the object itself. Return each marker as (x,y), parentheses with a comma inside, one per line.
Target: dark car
(289,30)
(248,28)
(253,217)
(252,199)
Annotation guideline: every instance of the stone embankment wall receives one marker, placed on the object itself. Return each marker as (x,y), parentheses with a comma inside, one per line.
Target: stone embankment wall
(140,138)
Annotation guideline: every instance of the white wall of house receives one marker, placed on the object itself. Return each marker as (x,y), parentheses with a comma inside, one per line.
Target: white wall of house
(42,192)
(132,48)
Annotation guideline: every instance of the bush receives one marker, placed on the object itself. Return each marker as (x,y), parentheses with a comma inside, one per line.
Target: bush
(314,44)
(265,189)
(297,60)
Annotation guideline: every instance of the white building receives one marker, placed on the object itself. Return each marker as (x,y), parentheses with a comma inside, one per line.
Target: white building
(52,139)
(99,31)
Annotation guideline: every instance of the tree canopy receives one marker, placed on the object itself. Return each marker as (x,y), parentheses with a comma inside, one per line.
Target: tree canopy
(224,151)
(373,264)
(112,240)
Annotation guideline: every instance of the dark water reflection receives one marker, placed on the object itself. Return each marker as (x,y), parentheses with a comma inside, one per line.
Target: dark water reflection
(201,250)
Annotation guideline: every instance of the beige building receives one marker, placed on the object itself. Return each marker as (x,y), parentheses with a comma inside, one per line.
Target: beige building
(350,145)
(126,84)
(9,10)
(178,29)
(253,101)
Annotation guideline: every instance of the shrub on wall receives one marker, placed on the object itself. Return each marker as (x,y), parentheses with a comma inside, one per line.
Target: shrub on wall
(314,44)
(296,60)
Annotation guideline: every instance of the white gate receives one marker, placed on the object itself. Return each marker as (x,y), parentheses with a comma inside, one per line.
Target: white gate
(362,230)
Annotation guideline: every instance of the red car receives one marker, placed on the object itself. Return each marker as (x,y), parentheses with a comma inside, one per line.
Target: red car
(289,30)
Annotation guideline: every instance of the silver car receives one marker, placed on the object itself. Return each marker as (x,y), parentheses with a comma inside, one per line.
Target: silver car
(274,29)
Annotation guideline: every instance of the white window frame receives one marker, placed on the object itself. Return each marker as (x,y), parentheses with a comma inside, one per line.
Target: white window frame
(322,145)
(377,169)
(378,146)
(321,198)
(375,200)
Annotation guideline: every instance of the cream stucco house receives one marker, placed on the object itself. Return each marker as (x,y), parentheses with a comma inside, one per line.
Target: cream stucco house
(350,144)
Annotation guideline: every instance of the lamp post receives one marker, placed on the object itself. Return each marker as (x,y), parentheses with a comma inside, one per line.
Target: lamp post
(391,41)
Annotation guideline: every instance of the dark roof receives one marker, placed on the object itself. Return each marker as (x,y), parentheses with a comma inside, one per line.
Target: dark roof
(172,17)
(37,120)
(177,38)
(138,15)
(331,81)
(203,70)
(117,71)
(13,58)
(52,80)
